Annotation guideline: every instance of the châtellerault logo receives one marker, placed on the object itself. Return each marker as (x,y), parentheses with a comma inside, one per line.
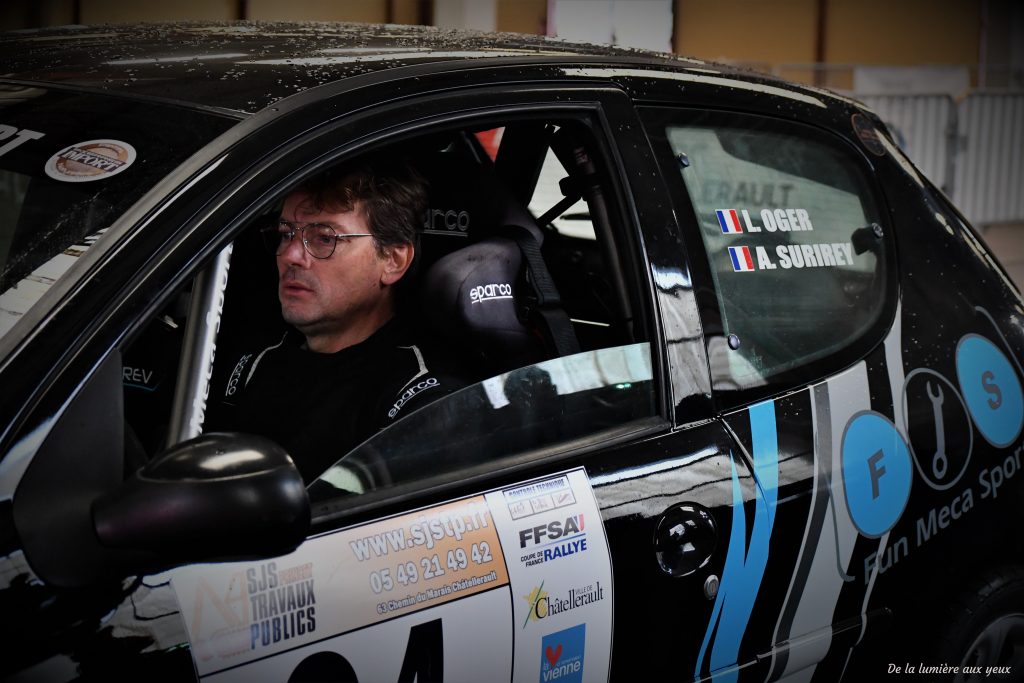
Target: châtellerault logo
(543,605)
(534,598)
(561,656)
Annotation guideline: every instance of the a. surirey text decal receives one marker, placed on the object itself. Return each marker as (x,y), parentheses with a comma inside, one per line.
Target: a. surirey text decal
(751,257)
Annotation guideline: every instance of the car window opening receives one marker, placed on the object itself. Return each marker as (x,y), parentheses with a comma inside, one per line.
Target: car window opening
(792,230)
(534,314)
(554,358)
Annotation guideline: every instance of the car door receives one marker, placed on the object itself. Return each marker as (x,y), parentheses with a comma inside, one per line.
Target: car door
(799,268)
(601,516)
(515,533)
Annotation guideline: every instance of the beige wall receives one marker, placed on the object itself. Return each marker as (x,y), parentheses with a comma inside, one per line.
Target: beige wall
(15,14)
(408,12)
(374,11)
(905,32)
(902,32)
(746,30)
(522,16)
(370,11)
(118,11)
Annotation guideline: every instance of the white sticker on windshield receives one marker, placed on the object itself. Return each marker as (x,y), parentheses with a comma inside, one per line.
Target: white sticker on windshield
(90,160)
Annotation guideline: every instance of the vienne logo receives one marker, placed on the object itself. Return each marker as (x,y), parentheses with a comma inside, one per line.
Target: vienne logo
(542,605)
(561,656)
(490,292)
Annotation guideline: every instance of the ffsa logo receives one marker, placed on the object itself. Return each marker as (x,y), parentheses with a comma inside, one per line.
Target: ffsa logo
(552,532)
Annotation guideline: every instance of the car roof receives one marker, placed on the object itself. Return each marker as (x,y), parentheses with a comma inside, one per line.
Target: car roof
(244,67)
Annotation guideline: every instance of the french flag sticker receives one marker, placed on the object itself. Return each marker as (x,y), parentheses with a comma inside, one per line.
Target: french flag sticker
(741,261)
(729,220)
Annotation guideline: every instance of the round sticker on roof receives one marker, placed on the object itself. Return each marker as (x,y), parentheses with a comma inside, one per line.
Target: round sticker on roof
(90,160)
(868,134)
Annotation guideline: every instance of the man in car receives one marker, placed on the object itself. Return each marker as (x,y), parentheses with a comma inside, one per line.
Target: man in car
(345,242)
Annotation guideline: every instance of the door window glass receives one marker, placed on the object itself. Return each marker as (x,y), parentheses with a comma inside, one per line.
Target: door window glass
(793,237)
(518,411)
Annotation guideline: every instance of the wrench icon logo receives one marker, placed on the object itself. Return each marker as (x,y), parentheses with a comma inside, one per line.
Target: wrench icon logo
(930,397)
(939,461)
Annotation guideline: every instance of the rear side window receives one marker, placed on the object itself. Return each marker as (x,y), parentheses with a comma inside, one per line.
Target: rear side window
(793,238)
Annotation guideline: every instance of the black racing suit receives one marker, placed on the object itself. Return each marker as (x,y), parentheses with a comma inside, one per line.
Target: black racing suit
(318,406)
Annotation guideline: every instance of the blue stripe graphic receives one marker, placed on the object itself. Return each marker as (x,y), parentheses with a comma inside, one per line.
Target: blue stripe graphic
(744,567)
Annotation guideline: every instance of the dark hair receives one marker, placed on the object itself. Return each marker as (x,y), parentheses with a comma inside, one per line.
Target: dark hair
(392,192)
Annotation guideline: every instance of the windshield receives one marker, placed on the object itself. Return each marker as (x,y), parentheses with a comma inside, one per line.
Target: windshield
(70,164)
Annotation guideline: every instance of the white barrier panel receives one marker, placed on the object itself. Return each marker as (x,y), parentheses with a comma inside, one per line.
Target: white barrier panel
(988,185)
(924,126)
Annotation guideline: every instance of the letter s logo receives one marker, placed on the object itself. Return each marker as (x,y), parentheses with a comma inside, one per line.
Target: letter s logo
(991,387)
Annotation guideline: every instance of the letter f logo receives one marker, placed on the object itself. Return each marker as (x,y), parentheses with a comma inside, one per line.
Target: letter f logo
(876,472)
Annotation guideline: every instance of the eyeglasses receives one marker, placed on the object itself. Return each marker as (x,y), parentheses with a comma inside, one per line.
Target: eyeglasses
(318,239)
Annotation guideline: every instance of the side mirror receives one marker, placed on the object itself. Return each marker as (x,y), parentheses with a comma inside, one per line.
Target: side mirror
(217,497)
(213,498)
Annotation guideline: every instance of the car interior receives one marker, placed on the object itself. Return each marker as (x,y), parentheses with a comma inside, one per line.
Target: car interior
(520,215)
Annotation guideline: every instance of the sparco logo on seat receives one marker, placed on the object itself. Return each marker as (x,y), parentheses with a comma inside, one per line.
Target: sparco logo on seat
(488,292)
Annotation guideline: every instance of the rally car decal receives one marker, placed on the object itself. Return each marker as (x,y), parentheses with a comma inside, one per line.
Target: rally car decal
(830,536)
(994,401)
(866,462)
(90,160)
(752,258)
(834,550)
(515,580)
(828,556)
(744,566)
(12,138)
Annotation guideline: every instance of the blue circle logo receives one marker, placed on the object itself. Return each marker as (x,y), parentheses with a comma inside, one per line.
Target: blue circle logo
(877,473)
(991,389)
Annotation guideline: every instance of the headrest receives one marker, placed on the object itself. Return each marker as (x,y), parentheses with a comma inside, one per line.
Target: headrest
(474,288)
(466,203)
(469,299)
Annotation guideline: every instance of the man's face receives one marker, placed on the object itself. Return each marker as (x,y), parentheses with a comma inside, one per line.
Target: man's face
(340,300)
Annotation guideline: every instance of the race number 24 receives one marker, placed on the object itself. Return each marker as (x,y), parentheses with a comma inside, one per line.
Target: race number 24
(423,661)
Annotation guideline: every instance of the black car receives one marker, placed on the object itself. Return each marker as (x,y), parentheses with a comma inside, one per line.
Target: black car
(746,403)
